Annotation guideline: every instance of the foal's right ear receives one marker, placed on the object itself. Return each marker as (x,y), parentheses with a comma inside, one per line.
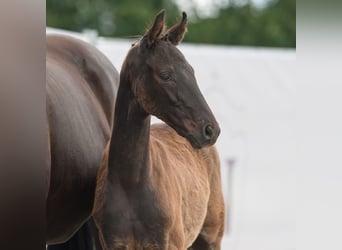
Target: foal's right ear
(176,33)
(156,29)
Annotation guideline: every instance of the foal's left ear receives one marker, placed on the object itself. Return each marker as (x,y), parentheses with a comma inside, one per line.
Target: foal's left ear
(176,33)
(156,29)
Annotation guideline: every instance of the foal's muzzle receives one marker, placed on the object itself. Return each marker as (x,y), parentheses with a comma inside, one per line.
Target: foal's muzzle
(204,136)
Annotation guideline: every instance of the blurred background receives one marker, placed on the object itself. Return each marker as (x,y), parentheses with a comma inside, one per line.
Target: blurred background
(244,56)
(270,23)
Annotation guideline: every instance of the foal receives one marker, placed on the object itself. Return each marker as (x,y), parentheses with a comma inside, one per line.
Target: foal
(157,188)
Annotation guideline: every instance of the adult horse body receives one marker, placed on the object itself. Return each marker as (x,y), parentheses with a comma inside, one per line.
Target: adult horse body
(81,86)
(159,187)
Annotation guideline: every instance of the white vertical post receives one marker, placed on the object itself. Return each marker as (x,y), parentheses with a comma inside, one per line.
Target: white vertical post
(229,198)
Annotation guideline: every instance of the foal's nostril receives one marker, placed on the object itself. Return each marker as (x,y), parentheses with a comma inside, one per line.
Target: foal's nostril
(208,131)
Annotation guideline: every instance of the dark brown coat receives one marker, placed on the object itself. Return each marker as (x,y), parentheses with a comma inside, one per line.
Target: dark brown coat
(81,86)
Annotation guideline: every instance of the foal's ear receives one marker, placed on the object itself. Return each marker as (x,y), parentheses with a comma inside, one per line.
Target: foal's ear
(156,29)
(176,33)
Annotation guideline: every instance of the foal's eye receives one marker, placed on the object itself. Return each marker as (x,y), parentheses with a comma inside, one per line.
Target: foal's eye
(166,76)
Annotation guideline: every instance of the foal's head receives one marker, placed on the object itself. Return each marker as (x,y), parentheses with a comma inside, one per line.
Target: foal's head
(165,86)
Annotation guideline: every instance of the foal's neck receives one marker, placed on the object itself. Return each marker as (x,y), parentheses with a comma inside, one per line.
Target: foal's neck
(129,148)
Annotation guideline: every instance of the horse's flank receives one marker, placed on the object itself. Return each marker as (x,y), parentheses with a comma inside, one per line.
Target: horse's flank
(81,86)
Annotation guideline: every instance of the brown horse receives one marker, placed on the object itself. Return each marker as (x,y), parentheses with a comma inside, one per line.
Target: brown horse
(160,188)
(81,86)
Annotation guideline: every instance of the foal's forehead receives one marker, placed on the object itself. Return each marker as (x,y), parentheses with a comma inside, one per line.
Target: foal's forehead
(162,48)
(166,48)
(165,53)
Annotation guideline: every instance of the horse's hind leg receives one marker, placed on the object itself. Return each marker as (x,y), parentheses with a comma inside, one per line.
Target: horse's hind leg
(86,238)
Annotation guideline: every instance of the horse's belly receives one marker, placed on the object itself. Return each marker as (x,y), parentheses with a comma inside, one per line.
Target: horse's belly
(74,163)
(72,186)
(65,215)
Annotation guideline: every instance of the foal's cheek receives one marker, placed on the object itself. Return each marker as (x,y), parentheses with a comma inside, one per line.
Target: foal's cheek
(169,95)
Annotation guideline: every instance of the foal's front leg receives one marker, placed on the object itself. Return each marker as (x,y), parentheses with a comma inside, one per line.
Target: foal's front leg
(202,244)
(211,234)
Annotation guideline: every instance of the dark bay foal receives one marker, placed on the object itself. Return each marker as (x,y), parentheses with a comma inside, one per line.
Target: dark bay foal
(159,187)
